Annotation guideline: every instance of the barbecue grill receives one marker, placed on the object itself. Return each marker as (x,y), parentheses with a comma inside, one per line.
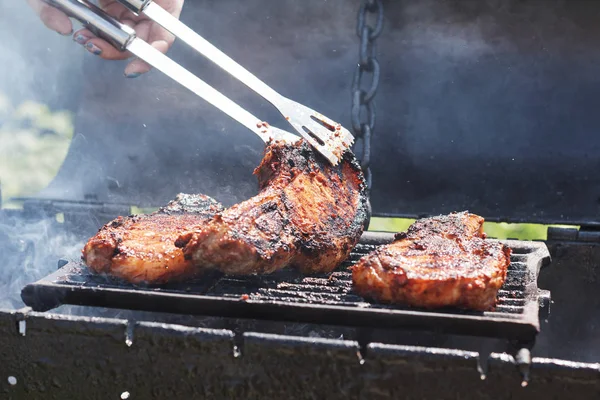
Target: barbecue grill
(320,299)
(471,114)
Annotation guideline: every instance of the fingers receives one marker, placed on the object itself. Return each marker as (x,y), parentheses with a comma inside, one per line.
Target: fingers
(101,47)
(138,67)
(51,17)
(172,6)
(147,30)
(98,47)
(155,35)
(106,51)
(157,32)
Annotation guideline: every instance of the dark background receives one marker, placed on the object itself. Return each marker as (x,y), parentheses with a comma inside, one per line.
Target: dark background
(490,106)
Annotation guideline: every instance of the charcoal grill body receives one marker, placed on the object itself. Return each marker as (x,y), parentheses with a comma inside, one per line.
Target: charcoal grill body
(77,357)
(491,109)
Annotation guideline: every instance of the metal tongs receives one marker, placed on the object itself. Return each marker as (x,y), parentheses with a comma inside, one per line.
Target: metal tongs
(326,136)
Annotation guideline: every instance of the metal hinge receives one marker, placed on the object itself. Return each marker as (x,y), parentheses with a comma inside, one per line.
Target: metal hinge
(585,234)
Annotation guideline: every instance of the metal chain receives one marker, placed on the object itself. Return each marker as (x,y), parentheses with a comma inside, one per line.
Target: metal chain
(363,123)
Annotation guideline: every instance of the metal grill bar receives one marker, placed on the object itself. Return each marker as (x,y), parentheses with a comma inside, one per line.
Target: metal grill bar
(290,296)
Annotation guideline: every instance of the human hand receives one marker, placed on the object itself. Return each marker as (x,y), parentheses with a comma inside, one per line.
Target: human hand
(145,28)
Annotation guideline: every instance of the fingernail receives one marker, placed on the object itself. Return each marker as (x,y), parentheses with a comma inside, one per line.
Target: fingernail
(80,39)
(133,75)
(67,34)
(92,48)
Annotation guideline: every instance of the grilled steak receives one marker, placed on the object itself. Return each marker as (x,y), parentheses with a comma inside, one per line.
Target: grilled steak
(439,261)
(142,248)
(307,214)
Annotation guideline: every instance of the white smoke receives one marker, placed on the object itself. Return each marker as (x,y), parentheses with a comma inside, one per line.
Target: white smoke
(36,63)
(28,252)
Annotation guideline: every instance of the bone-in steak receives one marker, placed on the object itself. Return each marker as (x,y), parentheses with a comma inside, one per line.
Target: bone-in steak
(308,214)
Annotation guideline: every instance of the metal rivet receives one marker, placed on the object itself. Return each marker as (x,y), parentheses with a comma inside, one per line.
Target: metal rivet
(125,395)
(12,380)
(22,327)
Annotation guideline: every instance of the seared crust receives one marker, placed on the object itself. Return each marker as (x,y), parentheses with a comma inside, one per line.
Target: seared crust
(441,261)
(141,248)
(308,214)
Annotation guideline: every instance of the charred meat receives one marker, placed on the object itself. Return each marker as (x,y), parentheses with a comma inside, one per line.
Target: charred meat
(440,261)
(308,214)
(142,248)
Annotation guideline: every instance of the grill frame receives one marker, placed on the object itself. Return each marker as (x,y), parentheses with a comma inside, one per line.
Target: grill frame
(73,284)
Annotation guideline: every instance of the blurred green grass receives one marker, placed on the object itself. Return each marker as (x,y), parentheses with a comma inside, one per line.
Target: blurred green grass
(498,230)
(34,141)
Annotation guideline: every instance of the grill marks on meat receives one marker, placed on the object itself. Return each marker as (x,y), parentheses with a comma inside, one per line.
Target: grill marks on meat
(307,214)
(142,248)
(440,261)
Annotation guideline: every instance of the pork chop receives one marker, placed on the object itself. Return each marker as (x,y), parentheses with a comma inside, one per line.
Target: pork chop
(308,214)
(440,261)
(141,248)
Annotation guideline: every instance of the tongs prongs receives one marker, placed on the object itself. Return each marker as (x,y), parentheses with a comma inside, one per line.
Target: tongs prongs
(324,134)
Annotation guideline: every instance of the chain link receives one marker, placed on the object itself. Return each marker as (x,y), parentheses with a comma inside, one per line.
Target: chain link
(363,107)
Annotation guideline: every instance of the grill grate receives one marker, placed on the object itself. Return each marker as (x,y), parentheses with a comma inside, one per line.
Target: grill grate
(320,299)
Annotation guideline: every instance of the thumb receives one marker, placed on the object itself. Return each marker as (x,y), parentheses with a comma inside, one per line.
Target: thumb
(138,66)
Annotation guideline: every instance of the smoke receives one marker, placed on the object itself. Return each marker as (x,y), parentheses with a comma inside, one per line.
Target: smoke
(36,63)
(32,70)
(459,80)
(466,79)
(28,252)
(141,141)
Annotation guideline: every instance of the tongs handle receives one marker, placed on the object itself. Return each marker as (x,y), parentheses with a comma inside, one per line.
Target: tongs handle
(207,49)
(124,38)
(97,21)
